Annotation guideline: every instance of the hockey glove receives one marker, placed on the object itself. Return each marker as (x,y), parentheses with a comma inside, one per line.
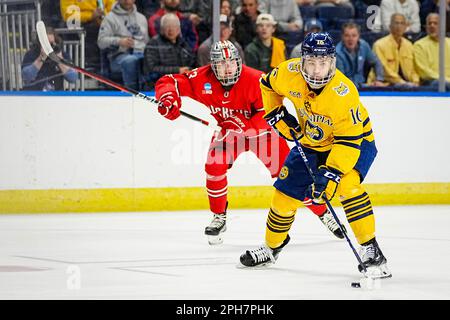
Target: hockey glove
(234,125)
(327,181)
(169,106)
(282,121)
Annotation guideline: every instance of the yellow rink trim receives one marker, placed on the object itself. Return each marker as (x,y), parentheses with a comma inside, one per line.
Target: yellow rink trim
(193,198)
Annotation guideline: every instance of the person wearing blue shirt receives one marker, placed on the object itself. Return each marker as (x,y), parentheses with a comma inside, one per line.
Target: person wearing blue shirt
(355,57)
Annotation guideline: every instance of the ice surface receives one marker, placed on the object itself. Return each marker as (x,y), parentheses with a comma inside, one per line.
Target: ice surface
(165,255)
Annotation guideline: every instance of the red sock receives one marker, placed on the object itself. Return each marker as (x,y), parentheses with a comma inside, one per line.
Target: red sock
(217,194)
(317,209)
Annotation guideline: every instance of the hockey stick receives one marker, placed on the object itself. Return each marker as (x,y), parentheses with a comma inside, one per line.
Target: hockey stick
(311,173)
(42,35)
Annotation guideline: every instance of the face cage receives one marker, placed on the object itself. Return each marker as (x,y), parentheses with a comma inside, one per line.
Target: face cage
(227,81)
(319,83)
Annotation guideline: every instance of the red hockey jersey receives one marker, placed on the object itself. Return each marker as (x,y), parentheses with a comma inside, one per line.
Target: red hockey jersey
(202,85)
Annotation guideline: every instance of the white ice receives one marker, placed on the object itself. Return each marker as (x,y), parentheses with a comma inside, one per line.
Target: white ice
(165,255)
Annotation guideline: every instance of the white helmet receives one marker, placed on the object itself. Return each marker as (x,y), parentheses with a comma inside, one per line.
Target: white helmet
(226,62)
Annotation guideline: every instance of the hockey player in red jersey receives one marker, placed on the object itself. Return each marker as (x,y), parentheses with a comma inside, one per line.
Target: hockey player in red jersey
(232,93)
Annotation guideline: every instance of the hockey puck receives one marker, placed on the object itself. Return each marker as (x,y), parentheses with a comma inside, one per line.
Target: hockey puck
(356,285)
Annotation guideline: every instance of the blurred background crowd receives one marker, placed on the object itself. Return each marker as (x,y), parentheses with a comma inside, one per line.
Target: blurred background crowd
(381,44)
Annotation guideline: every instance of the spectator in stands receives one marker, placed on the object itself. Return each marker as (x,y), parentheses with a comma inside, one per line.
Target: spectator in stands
(168,52)
(426,54)
(312,25)
(265,52)
(124,34)
(188,31)
(429,6)
(203,54)
(355,58)
(39,73)
(245,22)
(89,15)
(285,12)
(409,8)
(335,3)
(147,7)
(397,56)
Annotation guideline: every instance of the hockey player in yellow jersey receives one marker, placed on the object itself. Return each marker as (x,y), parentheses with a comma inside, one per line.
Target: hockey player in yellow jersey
(334,130)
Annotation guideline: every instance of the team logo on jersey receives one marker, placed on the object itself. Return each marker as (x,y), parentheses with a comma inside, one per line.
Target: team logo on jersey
(314,132)
(294,67)
(284,172)
(295,94)
(342,89)
(207,88)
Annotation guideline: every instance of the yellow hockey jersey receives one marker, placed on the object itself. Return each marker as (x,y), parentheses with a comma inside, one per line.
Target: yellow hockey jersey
(335,120)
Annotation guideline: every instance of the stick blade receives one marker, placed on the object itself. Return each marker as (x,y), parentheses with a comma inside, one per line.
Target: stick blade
(43,39)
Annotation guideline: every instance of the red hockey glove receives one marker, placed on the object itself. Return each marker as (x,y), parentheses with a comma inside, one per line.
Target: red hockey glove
(234,125)
(169,106)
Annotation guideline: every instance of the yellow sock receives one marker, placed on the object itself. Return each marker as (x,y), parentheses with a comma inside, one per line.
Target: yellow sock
(281,216)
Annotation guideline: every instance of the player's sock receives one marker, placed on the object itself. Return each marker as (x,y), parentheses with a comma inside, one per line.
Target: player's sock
(217,189)
(359,213)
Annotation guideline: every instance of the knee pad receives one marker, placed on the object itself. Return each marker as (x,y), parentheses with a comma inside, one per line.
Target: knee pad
(284,205)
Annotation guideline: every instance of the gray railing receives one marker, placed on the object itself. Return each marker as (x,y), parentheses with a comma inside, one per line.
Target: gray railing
(17,22)
(73,45)
(17,25)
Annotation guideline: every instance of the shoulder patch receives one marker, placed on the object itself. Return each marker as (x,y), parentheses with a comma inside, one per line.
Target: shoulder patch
(342,89)
(294,66)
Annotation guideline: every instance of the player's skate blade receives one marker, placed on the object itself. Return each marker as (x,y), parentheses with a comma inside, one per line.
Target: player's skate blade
(262,255)
(328,220)
(216,228)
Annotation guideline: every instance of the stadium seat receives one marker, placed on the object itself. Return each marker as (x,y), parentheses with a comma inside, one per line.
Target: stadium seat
(330,15)
(307,12)
(371,37)
(336,35)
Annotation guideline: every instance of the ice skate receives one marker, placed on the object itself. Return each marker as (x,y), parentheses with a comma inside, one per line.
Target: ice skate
(328,220)
(262,255)
(374,261)
(216,229)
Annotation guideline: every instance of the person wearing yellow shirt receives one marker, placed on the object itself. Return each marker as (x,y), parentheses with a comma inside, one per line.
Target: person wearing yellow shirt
(335,132)
(426,54)
(90,10)
(87,14)
(397,55)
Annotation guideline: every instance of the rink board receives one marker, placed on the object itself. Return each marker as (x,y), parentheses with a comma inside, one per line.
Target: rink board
(89,153)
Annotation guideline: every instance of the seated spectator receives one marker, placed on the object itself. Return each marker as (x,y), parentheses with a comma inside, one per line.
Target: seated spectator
(245,22)
(265,52)
(124,34)
(430,6)
(168,52)
(203,54)
(90,18)
(409,8)
(426,54)
(285,12)
(335,3)
(188,31)
(397,56)
(354,57)
(147,7)
(39,73)
(312,25)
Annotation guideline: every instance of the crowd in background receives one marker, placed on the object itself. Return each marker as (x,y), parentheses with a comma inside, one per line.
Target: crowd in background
(135,42)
